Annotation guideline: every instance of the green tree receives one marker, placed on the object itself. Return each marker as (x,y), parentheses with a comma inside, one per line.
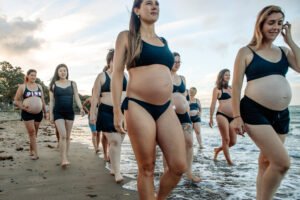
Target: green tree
(45,90)
(10,78)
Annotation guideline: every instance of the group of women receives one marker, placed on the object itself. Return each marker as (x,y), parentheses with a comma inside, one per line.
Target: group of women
(152,107)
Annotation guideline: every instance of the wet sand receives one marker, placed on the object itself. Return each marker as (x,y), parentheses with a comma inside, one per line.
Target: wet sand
(23,178)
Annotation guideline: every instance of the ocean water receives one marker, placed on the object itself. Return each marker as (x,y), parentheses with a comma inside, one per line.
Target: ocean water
(219,180)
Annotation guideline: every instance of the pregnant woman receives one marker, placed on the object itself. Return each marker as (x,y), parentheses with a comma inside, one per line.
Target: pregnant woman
(30,99)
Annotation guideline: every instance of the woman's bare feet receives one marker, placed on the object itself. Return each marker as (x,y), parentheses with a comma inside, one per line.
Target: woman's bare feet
(217,151)
(65,164)
(118,178)
(194,179)
(33,157)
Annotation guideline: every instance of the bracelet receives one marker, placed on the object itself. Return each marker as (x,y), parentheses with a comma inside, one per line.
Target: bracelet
(236,117)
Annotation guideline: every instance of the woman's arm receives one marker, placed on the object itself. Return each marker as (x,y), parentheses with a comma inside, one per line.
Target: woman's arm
(77,99)
(293,54)
(43,100)
(18,97)
(95,98)
(117,78)
(212,106)
(86,102)
(199,105)
(237,83)
(51,106)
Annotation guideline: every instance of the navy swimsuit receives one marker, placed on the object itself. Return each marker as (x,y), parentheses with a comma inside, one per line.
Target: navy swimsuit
(224,96)
(151,54)
(105,118)
(183,118)
(195,106)
(26,116)
(256,114)
(63,107)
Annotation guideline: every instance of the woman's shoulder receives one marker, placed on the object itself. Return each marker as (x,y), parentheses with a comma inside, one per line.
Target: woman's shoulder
(284,49)
(123,35)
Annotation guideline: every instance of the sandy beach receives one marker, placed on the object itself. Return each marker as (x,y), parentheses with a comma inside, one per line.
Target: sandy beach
(23,178)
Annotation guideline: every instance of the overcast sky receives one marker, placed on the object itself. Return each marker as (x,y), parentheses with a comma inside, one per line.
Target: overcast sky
(41,34)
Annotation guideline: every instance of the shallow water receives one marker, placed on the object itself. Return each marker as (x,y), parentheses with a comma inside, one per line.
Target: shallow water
(219,180)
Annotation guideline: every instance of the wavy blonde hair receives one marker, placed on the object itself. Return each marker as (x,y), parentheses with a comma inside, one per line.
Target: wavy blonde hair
(262,16)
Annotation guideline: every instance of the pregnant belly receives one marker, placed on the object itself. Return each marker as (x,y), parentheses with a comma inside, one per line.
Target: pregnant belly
(33,104)
(180,103)
(272,92)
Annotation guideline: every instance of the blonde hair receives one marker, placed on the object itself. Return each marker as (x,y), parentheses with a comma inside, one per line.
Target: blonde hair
(193,88)
(262,16)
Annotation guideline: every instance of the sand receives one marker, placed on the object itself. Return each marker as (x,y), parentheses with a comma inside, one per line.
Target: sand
(23,178)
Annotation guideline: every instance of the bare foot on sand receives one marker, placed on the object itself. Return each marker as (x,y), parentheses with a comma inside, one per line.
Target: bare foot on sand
(118,178)
(33,157)
(65,164)
(217,151)
(194,179)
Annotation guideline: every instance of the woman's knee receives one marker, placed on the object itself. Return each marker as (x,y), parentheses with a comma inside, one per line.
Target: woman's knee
(147,169)
(31,132)
(283,166)
(226,141)
(178,167)
(232,143)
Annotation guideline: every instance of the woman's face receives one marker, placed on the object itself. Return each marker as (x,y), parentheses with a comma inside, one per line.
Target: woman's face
(62,73)
(31,77)
(148,11)
(192,92)
(177,63)
(272,26)
(226,76)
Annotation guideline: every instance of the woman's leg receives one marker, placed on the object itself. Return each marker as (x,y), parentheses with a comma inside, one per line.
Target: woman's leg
(61,128)
(224,131)
(188,135)
(97,141)
(69,125)
(274,160)
(57,136)
(197,128)
(105,147)
(171,140)
(32,139)
(115,141)
(142,134)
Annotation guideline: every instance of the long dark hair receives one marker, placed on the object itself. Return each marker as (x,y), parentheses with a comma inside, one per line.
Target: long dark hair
(220,79)
(56,77)
(27,74)
(109,58)
(134,36)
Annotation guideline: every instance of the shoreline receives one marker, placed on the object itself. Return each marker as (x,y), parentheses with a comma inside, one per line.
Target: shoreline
(23,178)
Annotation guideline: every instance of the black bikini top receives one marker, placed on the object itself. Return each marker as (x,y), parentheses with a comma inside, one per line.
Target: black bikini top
(194,106)
(224,95)
(151,54)
(106,86)
(179,88)
(28,93)
(260,67)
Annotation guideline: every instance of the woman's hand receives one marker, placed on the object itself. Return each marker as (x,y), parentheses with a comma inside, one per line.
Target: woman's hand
(211,123)
(92,118)
(238,126)
(286,33)
(82,113)
(118,121)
